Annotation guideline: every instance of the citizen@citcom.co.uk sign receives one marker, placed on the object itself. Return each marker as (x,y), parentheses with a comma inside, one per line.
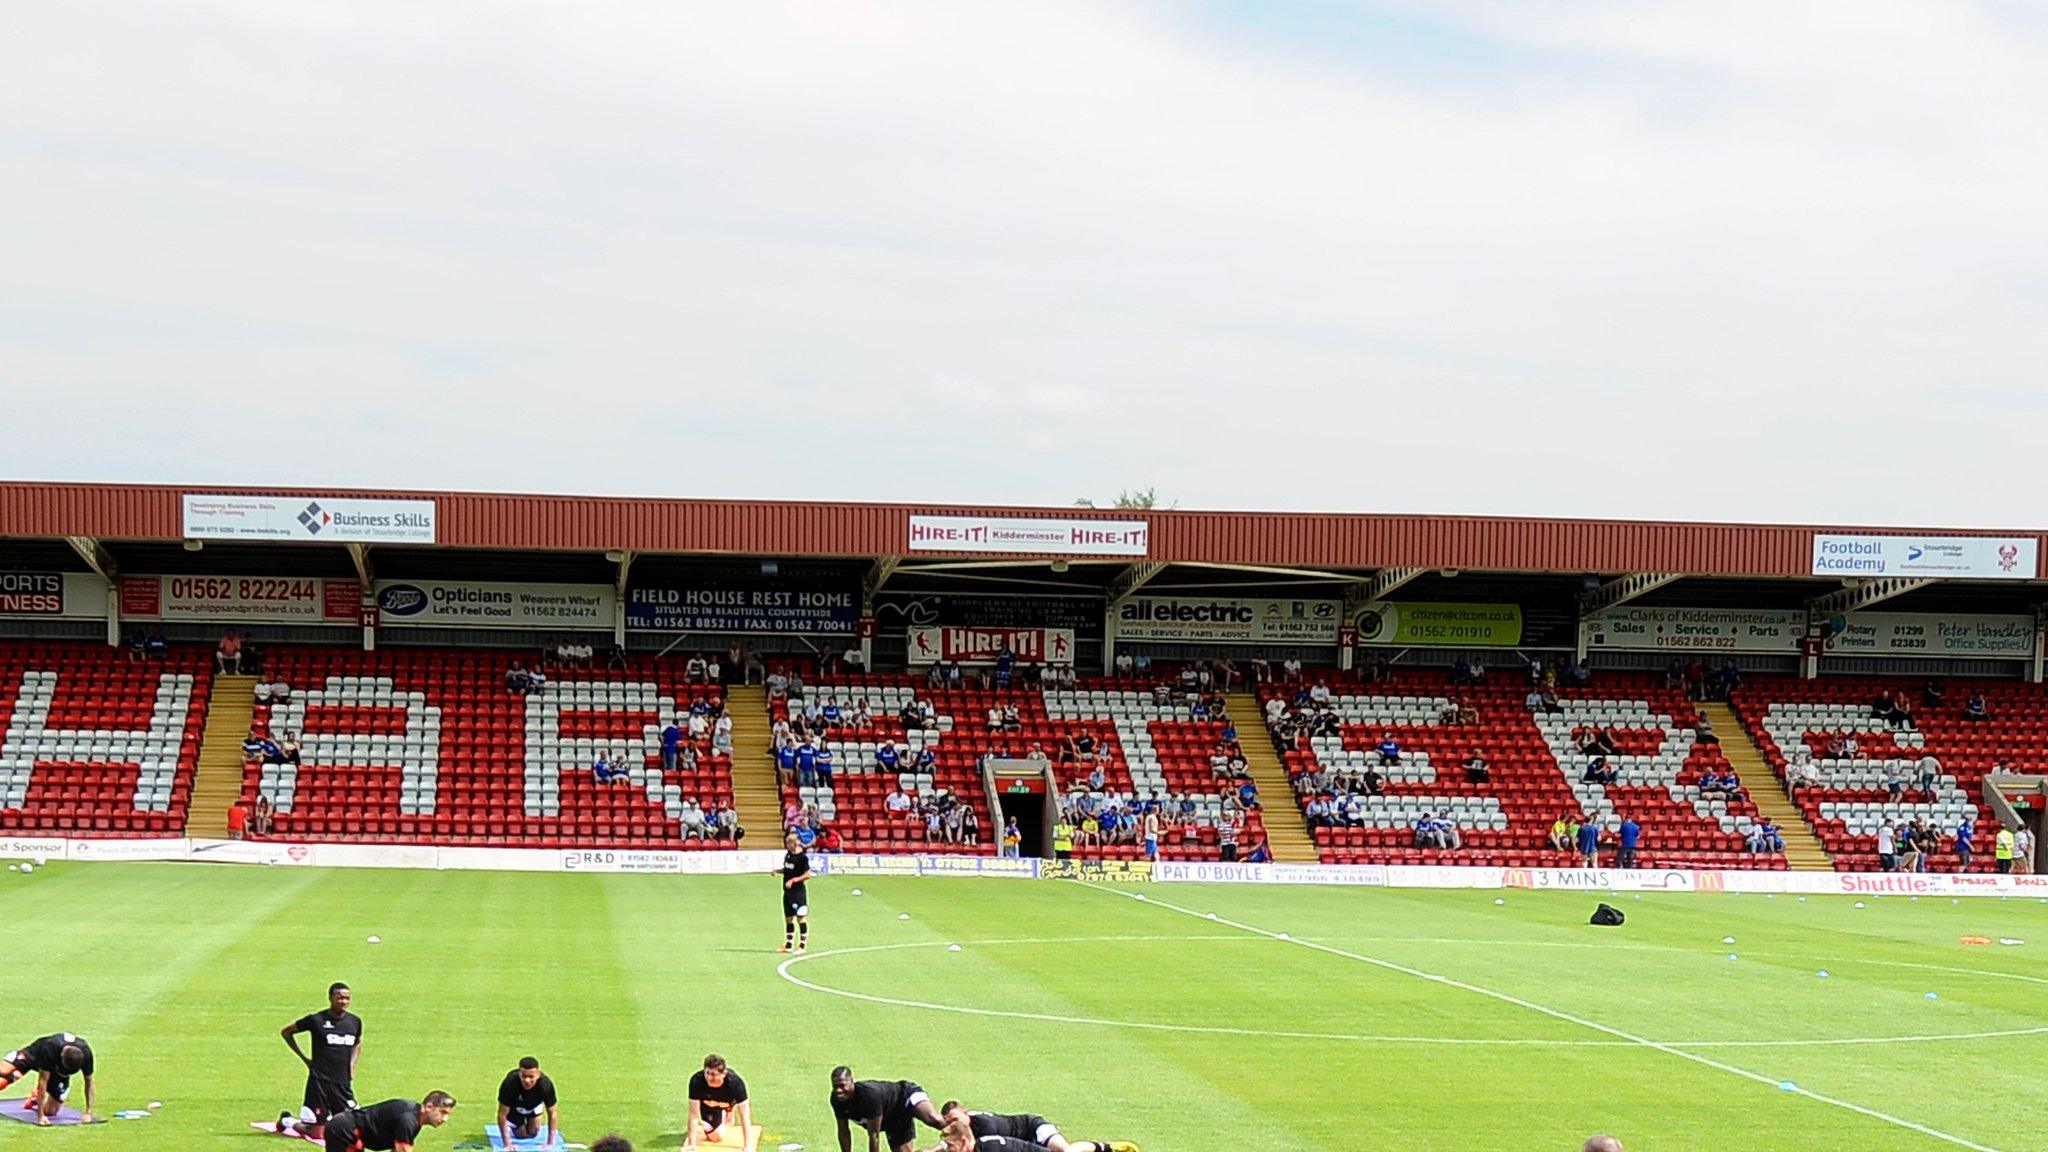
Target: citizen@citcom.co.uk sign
(309,519)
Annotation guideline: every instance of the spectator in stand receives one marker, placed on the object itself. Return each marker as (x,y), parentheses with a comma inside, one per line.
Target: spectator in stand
(1842,746)
(1714,786)
(1966,835)
(1562,834)
(254,747)
(831,716)
(1894,783)
(886,759)
(1887,847)
(1371,782)
(1541,699)
(898,803)
(1262,670)
(807,763)
(1290,670)
(727,819)
(264,818)
(615,660)
(2023,850)
(1902,714)
(1538,671)
(1975,712)
(288,748)
(1476,771)
(1320,813)
(752,664)
(671,745)
(1013,721)
(1461,671)
(777,685)
(1123,666)
(273,690)
(1930,775)
(1248,795)
(228,657)
(1631,834)
(519,680)
(691,820)
(536,680)
(696,670)
(238,820)
(1674,675)
(1730,678)
(1703,731)
(995,718)
(1599,771)
(714,672)
(1801,771)
(721,734)
(927,761)
(824,765)
(601,770)
(1006,663)
(1226,839)
(1589,844)
(1389,749)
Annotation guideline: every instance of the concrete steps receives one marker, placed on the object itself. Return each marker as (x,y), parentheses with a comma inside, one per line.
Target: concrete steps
(1286,831)
(1803,849)
(754,792)
(217,784)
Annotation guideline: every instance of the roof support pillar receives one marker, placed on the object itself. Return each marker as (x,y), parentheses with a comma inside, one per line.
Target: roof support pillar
(102,563)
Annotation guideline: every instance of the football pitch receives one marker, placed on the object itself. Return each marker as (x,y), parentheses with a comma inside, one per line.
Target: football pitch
(1294,1018)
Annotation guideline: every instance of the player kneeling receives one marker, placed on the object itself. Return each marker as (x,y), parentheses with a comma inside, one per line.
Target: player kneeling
(1019,1132)
(54,1059)
(388,1127)
(719,1111)
(525,1098)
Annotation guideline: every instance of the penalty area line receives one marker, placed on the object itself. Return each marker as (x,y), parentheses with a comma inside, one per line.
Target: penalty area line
(1553,1013)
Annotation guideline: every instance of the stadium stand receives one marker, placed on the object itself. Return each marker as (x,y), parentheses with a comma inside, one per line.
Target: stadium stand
(1535,769)
(431,746)
(1147,750)
(1850,798)
(97,743)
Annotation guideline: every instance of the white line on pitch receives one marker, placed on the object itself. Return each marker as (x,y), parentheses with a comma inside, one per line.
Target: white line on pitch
(1553,1013)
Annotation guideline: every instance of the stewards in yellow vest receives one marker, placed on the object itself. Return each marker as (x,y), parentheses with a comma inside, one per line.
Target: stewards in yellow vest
(2003,849)
(1062,841)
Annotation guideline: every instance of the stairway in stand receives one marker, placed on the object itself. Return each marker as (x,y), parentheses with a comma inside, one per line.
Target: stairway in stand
(1286,831)
(218,782)
(754,792)
(1802,848)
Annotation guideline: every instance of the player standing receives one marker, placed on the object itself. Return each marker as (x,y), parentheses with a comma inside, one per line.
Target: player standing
(525,1094)
(55,1059)
(796,900)
(991,1128)
(716,1093)
(388,1127)
(337,1039)
(882,1107)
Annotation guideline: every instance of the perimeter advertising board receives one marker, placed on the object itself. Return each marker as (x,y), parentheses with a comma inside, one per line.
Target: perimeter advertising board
(1922,634)
(241,599)
(983,645)
(1973,557)
(309,519)
(478,604)
(742,608)
(1630,628)
(1229,620)
(1035,535)
(53,595)
(1427,625)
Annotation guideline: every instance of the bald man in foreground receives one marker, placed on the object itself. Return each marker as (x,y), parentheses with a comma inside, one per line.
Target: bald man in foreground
(1600,1144)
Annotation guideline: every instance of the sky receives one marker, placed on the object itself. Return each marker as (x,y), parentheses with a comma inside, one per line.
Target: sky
(1770,261)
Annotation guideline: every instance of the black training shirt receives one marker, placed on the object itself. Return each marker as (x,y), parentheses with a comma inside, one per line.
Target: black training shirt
(518,1097)
(47,1054)
(334,1043)
(380,1126)
(1015,1127)
(733,1091)
(795,864)
(876,1100)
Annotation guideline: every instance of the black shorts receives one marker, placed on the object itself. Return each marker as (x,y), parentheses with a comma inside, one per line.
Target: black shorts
(343,1138)
(521,1121)
(901,1128)
(795,902)
(60,1085)
(328,1097)
(713,1117)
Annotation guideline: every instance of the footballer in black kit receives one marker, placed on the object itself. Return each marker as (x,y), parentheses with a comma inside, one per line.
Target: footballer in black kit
(55,1059)
(796,898)
(891,1108)
(337,1039)
(1016,1132)
(717,1094)
(388,1127)
(525,1096)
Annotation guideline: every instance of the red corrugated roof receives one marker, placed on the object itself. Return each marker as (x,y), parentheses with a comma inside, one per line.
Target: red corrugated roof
(783,528)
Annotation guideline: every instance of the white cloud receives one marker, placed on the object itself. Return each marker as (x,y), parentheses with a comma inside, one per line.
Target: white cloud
(1746,261)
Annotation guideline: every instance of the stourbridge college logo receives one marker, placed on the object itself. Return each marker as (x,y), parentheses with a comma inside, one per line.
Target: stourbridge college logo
(313,518)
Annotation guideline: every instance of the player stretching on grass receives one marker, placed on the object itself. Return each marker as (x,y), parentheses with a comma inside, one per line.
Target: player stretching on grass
(526,1093)
(1024,1129)
(882,1107)
(337,1039)
(388,1127)
(54,1059)
(796,900)
(716,1093)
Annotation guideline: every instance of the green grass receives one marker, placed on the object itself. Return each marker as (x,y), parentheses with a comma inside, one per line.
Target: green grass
(181,975)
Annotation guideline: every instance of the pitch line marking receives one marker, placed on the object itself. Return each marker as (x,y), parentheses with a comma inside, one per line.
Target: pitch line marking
(783,970)
(1558,1014)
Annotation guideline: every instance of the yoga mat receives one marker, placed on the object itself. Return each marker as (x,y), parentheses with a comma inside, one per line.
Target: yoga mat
(270,1126)
(19,1110)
